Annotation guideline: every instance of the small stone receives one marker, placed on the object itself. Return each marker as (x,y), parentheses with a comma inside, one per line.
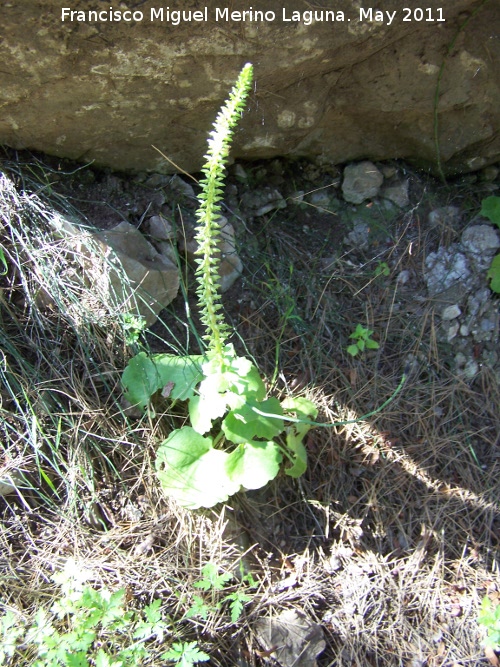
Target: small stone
(10,482)
(319,198)
(464,330)
(489,174)
(481,240)
(403,277)
(452,331)
(471,369)
(477,301)
(490,358)
(240,173)
(157,181)
(451,312)
(445,268)
(275,203)
(446,216)
(487,325)
(296,197)
(167,250)
(388,171)
(260,202)
(292,637)
(397,193)
(181,187)
(358,238)
(466,367)
(160,229)
(361,181)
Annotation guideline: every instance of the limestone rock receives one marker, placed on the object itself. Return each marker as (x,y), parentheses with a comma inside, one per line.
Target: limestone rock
(160,229)
(358,236)
(361,181)
(294,638)
(262,201)
(10,481)
(451,312)
(481,242)
(116,271)
(152,279)
(446,268)
(445,217)
(397,192)
(343,90)
(320,198)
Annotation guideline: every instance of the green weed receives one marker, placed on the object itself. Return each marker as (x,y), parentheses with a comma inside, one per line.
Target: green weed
(362,340)
(382,269)
(212,582)
(185,654)
(489,618)
(491,209)
(133,326)
(83,627)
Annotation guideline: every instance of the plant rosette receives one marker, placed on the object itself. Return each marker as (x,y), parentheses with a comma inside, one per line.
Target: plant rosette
(237,438)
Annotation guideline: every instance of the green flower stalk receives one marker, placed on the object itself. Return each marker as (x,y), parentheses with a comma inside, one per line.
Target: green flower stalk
(208,229)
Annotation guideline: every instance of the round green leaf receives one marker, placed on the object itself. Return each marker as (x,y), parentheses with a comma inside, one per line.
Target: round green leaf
(494,274)
(145,375)
(244,424)
(204,409)
(491,209)
(192,472)
(253,464)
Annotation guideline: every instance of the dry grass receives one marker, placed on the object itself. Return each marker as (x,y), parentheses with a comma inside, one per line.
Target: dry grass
(389,541)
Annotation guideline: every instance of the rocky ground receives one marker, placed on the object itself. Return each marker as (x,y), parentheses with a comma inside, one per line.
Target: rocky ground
(382,221)
(383,551)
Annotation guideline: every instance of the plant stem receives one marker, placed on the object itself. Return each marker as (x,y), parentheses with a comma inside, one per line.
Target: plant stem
(208,229)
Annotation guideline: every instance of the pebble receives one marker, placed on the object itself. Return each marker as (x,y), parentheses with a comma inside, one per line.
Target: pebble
(361,181)
(445,216)
(397,193)
(451,312)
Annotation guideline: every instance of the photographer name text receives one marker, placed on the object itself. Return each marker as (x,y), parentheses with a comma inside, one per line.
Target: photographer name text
(175,17)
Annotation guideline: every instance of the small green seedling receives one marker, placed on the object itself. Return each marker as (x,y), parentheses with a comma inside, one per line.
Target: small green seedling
(491,209)
(185,654)
(11,631)
(237,602)
(200,609)
(133,326)
(362,340)
(212,582)
(382,269)
(489,618)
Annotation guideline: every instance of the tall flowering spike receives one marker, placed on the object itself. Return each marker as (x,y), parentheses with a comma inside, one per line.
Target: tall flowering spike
(208,228)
